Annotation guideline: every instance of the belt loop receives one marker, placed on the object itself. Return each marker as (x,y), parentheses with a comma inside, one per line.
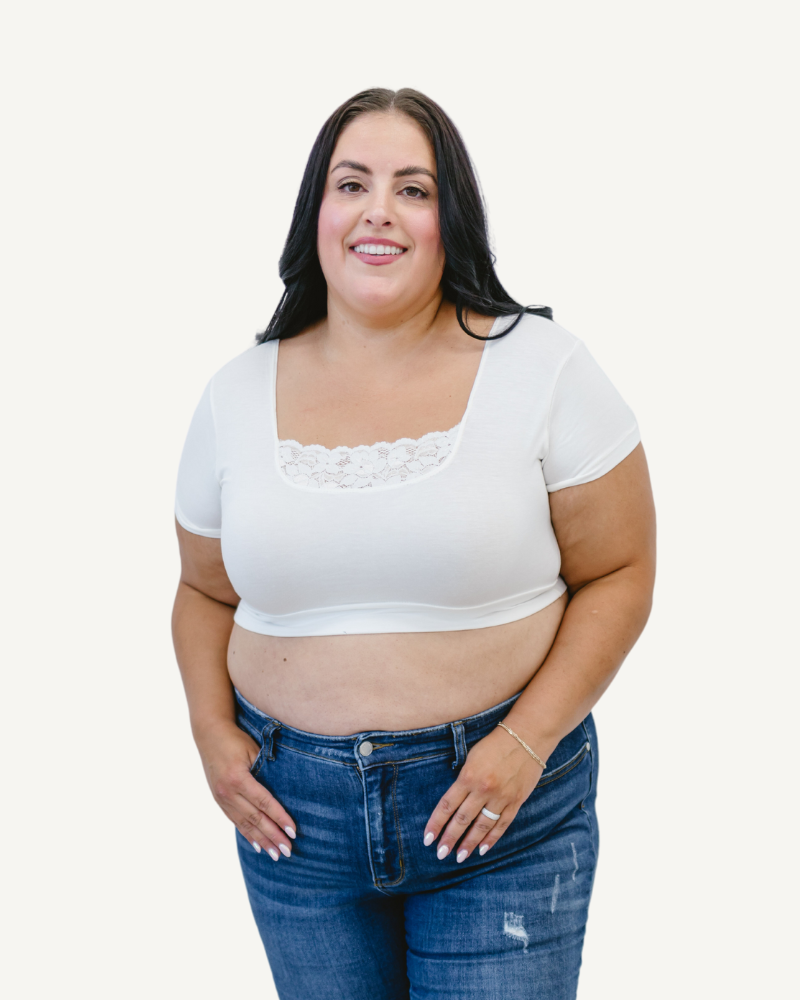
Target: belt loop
(460,744)
(267,734)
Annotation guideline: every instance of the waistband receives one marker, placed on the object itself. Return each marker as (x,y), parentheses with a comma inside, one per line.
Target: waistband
(375,747)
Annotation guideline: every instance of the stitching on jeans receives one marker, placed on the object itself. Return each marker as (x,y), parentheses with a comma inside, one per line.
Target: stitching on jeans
(408,760)
(459,744)
(317,756)
(270,730)
(591,769)
(397,829)
(565,768)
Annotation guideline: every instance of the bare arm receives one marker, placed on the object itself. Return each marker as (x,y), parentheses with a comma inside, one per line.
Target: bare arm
(202,620)
(606,533)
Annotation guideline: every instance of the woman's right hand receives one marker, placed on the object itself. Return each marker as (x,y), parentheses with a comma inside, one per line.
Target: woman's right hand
(228,753)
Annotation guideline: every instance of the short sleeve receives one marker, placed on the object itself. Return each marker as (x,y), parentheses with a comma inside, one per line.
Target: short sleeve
(590,427)
(197,499)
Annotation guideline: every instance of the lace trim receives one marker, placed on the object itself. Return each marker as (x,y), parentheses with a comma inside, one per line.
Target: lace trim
(367,466)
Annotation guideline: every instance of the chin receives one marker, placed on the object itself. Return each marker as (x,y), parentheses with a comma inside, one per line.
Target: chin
(375,296)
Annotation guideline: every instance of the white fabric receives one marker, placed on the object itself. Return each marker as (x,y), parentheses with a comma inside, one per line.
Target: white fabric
(467,544)
(367,466)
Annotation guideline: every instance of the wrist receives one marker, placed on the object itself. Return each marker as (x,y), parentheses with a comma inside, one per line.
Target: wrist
(532,740)
(209,728)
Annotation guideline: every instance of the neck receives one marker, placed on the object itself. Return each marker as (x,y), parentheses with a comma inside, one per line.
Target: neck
(347,333)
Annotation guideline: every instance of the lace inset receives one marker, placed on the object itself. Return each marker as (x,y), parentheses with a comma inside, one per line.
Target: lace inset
(367,466)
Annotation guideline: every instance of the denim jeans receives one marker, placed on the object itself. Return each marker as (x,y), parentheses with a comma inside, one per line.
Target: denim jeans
(363,911)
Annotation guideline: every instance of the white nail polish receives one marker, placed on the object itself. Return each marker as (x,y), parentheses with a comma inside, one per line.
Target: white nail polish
(428,839)
(285,850)
(273,853)
(483,850)
(256,847)
(461,855)
(443,851)
(290,832)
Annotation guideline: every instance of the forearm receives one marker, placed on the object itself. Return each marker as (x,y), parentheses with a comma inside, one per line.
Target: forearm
(601,624)
(201,629)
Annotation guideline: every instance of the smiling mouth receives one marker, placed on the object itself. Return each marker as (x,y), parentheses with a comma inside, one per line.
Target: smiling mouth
(378,249)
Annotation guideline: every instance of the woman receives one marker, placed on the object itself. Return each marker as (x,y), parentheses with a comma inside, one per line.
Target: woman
(390,651)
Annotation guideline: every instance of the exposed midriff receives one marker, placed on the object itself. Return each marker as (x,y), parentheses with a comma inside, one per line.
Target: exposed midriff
(342,684)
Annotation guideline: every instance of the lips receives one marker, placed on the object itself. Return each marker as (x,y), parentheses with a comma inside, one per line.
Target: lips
(380,251)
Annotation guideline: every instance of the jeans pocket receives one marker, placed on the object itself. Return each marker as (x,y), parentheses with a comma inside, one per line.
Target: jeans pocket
(564,768)
(569,753)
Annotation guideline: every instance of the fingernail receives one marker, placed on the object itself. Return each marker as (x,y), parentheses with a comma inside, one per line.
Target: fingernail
(290,832)
(461,855)
(443,851)
(256,847)
(285,850)
(273,853)
(483,850)
(428,840)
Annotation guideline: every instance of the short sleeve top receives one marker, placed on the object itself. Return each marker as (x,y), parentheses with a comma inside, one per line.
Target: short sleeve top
(466,544)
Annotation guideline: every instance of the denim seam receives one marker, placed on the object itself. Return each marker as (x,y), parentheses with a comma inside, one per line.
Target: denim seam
(591,775)
(367,829)
(316,756)
(268,734)
(459,743)
(397,881)
(408,760)
(565,768)
(592,836)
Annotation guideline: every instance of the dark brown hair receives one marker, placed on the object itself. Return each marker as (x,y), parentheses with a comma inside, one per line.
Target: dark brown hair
(469,279)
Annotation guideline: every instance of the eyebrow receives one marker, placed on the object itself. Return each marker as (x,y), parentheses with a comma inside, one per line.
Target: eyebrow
(404,172)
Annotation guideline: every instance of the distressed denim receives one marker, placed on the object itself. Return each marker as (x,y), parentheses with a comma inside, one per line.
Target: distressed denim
(363,911)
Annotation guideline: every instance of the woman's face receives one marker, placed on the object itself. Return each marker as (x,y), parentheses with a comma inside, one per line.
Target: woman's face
(381,195)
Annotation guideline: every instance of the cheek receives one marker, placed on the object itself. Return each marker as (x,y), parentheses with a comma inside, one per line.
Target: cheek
(427,238)
(333,226)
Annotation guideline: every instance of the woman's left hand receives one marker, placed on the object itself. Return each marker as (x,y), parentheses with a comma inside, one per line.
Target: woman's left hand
(498,774)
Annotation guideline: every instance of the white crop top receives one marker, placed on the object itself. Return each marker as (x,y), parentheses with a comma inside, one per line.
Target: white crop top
(464,541)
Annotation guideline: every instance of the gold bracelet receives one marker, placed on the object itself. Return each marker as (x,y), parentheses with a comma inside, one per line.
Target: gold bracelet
(533,753)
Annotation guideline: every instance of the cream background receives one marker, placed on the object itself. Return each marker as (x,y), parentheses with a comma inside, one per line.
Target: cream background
(640,167)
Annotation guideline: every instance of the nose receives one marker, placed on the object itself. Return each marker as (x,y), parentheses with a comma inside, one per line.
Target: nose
(377,212)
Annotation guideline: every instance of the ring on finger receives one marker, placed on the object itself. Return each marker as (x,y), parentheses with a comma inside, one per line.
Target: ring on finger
(488,813)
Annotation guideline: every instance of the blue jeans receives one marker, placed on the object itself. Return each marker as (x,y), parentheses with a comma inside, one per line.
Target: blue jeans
(363,910)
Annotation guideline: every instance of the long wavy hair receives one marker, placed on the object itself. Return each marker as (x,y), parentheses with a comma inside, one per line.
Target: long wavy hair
(469,280)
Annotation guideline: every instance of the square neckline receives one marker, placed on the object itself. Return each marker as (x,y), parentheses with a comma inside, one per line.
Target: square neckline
(277,442)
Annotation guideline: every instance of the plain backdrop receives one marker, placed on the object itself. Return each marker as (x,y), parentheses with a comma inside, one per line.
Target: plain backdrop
(639,163)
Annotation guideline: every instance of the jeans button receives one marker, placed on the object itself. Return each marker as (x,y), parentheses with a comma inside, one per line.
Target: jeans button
(365,749)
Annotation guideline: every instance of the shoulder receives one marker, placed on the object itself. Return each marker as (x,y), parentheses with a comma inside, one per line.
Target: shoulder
(536,349)
(537,338)
(244,371)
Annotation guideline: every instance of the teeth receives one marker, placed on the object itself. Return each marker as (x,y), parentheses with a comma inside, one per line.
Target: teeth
(378,249)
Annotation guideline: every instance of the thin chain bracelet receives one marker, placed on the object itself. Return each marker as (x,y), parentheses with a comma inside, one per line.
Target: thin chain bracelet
(519,739)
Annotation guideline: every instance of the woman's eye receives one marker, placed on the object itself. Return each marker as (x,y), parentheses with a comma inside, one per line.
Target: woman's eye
(351,187)
(415,192)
